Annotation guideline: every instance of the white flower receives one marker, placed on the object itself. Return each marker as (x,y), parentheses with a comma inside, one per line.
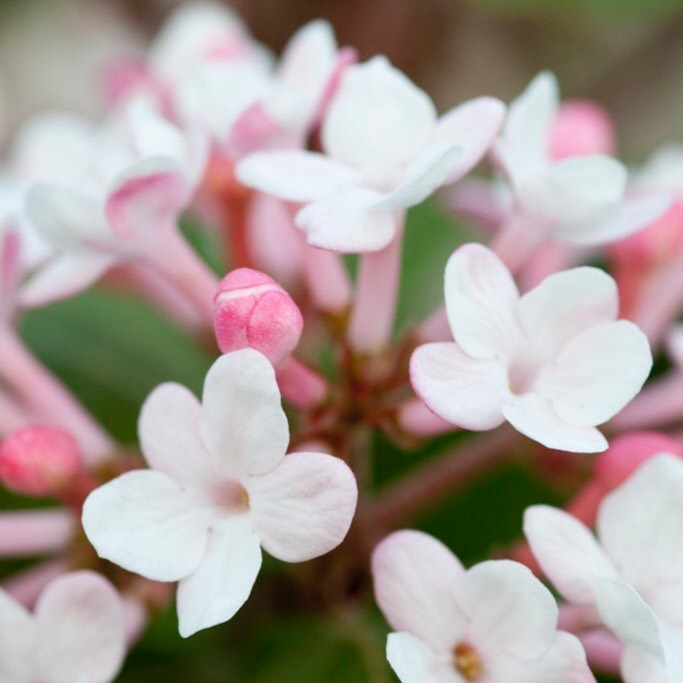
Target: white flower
(124,183)
(220,487)
(494,622)
(578,199)
(554,362)
(75,635)
(385,151)
(633,574)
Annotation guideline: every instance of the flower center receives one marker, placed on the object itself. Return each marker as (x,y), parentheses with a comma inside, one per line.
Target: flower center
(522,374)
(467,662)
(232,495)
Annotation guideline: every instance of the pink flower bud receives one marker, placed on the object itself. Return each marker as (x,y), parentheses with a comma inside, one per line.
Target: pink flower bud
(581,128)
(628,452)
(252,310)
(38,460)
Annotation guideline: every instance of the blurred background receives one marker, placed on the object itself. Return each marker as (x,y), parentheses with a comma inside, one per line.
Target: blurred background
(625,54)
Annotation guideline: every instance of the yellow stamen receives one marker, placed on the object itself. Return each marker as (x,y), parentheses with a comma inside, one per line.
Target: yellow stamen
(467,662)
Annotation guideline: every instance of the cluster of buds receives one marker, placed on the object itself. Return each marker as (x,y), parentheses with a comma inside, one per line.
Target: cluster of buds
(288,164)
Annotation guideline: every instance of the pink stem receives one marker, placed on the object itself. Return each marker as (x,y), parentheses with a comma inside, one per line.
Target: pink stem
(299,384)
(578,618)
(12,415)
(159,292)
(49,397)
(603,651)
(374,312)
(175,259)
(517,240)
(660,301)
(660,403)
(36,532)
(26,586)
(435,327)
(415,418)
(327,279)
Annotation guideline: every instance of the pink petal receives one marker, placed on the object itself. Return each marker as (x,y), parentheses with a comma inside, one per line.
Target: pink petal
(243,424)
(481,299)
(567,552)
(81,630)
(224,579)
(148,525)
(303,508)
(534,417)
(415,576)
(461,390)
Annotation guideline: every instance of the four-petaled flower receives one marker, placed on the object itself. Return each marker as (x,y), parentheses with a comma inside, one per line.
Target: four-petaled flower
(494,623)
(554,362)
(220,487)
(385,150)
(633,574)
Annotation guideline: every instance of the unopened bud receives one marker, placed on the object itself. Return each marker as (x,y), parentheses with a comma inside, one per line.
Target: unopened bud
(581,128)
(38,460)
(626,453)
(252,310)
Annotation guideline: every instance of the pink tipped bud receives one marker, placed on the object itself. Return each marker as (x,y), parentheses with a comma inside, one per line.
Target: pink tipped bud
(628,452)
(38,461)
(252,310)
(581,128)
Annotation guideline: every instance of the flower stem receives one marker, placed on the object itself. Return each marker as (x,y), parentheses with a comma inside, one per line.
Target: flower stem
(35,532)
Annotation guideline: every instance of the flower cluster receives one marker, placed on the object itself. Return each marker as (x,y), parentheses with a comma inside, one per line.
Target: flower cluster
(286,165)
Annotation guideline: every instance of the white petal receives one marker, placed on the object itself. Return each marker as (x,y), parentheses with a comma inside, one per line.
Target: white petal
(81,630)
(640,524)
(152,135)
(534,417)
(423,177)
(629,216)
(65,275)
(147,524)
(294,175)
(64,216)
(627,615)
(415,662)
(224,579)
(529,120)
(640,666)
(481,300)
(348,221)
(169,436)
(597,373)
(461,390)
(472,127)
(378,119)
(508,609)
(564,662)
(303,508)
(243,424)
(18,639)
(414,577)
(565,304)
(567,552)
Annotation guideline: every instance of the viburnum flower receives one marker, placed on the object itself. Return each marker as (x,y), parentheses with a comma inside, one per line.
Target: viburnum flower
(134,176)
(494,622)
(385,150)
(579,199)
(75,635)
(633,574)
(220,487)
(554,362)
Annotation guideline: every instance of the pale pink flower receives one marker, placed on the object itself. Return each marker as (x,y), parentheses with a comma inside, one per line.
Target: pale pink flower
(633,573)
(75,635)
(219,489)
(580,199)
(554,362)
(494,622)
(133,177)
(385,150)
